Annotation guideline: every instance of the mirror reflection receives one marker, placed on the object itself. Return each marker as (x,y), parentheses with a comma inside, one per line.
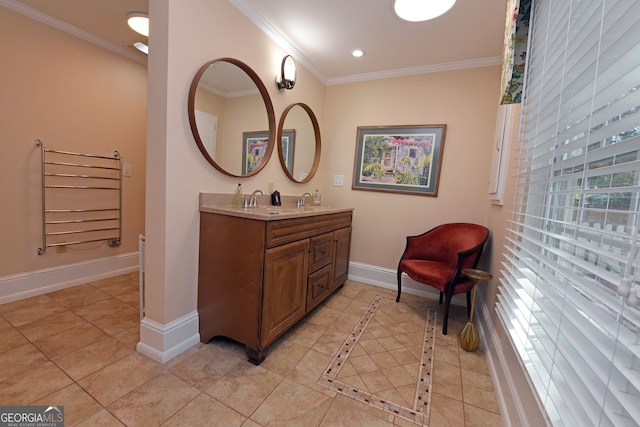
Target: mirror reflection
(231,117)
(299,147)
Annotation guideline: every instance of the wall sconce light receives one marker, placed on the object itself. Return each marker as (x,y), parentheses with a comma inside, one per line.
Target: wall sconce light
(287,77)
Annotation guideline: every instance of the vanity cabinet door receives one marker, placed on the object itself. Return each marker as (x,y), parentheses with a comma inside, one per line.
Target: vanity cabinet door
(341,247)
(285,292)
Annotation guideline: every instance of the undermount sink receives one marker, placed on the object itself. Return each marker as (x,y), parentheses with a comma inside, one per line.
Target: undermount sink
(296,208)
(281,208)
(313,208)
(288,209)
(272,210)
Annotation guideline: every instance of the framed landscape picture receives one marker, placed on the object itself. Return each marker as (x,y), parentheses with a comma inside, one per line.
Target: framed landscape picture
(254,146)
(399,159)
(288,147)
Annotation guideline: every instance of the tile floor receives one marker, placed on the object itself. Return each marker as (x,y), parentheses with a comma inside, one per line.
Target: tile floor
(76,347)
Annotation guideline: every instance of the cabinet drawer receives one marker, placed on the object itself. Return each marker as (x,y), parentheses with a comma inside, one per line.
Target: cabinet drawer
(320,251)
(289,230)
(318,287)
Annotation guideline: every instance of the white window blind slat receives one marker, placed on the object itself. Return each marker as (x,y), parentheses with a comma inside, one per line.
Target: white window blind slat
(579,382)
(601,290)
(572,249)
(567,383)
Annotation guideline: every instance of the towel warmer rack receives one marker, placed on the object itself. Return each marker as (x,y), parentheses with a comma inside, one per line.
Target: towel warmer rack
(81,199)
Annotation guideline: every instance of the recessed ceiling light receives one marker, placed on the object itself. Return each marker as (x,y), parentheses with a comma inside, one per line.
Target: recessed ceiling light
(421,10)
(141,47)
(357,53)
(139,22)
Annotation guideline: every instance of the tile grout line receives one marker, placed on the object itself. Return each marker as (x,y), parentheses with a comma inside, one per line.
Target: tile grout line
(328,378)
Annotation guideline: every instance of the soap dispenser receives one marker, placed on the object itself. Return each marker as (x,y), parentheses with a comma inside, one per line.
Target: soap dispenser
(237,197)
(315,201)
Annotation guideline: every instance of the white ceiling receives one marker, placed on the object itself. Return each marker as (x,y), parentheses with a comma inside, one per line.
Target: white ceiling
(319,33)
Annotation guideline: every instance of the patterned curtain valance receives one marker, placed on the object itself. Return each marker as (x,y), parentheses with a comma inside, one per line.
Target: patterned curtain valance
(516,34)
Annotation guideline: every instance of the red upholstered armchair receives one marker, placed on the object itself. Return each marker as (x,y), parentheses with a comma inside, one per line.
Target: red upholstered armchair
(437,257)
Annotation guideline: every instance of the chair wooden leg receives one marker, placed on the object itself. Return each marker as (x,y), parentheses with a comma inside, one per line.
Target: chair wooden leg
(447,303)
(399,276)
(441,295)
(446,316)
(469,303)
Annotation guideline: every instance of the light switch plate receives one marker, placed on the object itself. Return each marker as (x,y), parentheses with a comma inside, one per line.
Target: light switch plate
(126,170)
(338,180)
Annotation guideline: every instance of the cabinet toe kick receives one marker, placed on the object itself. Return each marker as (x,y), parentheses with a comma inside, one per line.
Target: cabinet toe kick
(255,356)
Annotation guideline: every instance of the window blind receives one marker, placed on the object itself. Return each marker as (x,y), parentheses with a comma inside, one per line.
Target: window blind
(568,297)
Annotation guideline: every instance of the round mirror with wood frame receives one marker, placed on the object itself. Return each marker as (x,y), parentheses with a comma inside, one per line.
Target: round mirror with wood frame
(231,117)
(299,142)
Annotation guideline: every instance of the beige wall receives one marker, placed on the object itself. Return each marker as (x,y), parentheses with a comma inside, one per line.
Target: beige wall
(73,96)
(464,100)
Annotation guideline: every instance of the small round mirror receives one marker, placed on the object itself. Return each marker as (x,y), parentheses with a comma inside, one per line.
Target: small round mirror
(231,117)
(299,142)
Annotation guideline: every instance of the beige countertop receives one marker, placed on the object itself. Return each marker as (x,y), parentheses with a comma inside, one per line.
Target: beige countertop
(221,203)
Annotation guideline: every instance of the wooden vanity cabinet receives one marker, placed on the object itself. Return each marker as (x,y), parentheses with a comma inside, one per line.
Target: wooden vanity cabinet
(258,278)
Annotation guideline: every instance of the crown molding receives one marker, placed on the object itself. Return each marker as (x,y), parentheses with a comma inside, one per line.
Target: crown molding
(70,29)
(401,72)
(276,35)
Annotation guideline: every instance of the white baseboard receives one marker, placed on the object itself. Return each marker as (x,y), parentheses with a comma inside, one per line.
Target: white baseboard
(164,342)
(386,278)
(504,389)
(514,411)
(38,282)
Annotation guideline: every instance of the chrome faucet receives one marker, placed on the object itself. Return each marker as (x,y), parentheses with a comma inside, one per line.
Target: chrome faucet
(253,199)
(300,201)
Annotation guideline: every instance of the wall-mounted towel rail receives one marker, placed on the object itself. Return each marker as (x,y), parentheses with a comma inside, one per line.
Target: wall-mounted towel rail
(81,201)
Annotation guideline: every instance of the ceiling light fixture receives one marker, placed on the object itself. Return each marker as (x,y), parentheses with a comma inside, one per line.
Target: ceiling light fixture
(357,53)
(139,22)
(287,77)
(421,10)
(142,47)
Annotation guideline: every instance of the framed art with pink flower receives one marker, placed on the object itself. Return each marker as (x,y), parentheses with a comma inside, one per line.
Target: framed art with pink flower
(399,159)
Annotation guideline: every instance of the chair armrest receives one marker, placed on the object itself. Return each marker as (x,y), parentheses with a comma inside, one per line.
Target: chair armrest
(470,257)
